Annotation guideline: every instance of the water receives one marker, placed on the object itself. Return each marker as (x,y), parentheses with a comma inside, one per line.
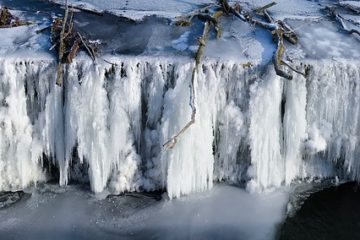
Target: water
(330,214)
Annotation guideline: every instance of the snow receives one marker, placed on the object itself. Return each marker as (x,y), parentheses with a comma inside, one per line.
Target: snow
(315,142)
(79,215)
(354,4)
(139,9)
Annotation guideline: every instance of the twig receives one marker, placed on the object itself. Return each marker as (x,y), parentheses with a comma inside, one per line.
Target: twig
(43,30)
(53,46)
(107,61)
(91,53)
(333,13)
(261,9)
(170,144)
(73,51)
(293,69)
(351,8)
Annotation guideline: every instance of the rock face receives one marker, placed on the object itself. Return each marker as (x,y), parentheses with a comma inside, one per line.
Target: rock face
(251,126)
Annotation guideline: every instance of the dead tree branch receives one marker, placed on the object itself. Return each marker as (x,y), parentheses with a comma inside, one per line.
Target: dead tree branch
(261,9)
(340,19)
(68,42)
(170,144)
(350,7)
(185,21)
(279,55)
(89,49)
(209,21)
(278,28)
(293,69)
(59,78)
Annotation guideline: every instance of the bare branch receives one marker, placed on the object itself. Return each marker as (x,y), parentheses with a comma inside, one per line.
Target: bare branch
(88,49)
(59,79)
(340,19)
(261,9)
(170,144)
(293,69)
(278,57)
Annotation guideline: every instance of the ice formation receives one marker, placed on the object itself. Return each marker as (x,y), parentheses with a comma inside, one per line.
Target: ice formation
(251,125)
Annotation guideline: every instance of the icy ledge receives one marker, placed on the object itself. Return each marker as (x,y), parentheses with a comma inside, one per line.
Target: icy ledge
(251,126)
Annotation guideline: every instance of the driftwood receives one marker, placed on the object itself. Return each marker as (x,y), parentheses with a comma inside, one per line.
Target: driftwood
(7,20)
(61,50)
(68,42)
(340,19)
(279,29)
(185,21)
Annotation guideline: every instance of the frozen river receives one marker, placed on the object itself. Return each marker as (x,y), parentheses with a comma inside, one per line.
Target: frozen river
(225,212)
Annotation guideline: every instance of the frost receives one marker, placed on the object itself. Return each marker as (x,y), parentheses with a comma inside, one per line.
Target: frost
(315,142)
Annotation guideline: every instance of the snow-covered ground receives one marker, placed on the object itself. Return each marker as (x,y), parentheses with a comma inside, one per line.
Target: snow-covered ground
(138,9)
(320,37)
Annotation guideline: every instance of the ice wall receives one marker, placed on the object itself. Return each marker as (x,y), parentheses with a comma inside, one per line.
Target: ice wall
(251,126)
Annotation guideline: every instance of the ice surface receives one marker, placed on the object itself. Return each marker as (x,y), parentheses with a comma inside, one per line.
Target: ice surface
(78,215)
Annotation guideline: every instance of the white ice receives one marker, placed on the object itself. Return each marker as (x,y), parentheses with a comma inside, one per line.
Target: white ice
(223,213)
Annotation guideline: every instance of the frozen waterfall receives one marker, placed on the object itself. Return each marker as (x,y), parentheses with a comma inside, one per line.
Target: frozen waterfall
(251,126)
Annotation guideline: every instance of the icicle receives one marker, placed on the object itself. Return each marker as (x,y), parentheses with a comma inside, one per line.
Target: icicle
(19,152)
(263,131)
